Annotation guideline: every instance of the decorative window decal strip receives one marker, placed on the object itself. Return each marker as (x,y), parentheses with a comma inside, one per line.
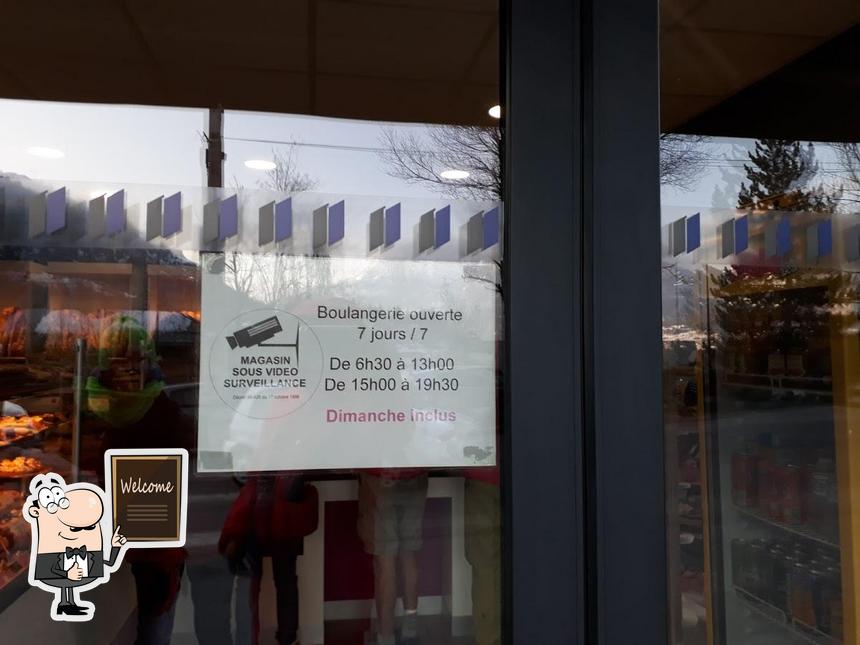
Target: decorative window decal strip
(320,226)
(284,219)
(727,238)
(154,211)
(55,217)
(172,222)
(228,218)
(36,210)
(392,224)
(492,227)
(336,223)
(266,234)
(96,217)
(742,234)
(678,233)
(377,228)
(426,231)
(825,238)
(475,233)
(443,226)
(115,219)
(139,216)
(694,232)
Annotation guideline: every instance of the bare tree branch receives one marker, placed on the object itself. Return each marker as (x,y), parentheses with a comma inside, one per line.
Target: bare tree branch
(847,171)
(683,159)
(477,150)
(421,160)
(286,177)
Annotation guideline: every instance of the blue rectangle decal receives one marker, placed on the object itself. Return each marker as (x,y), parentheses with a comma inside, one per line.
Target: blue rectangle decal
(284,220)
(115,213)
(55,219)
(336,223)
(172,223)
(392,224)
(694,232)
(491,227)
(443,226)
(783,236)
(228,217)
(742,234)
(825,238)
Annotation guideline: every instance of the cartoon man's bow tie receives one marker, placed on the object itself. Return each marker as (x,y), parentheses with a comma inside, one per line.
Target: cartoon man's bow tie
(80,553)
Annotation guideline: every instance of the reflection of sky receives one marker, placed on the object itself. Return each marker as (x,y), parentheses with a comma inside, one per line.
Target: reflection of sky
(723,172)
(153,145)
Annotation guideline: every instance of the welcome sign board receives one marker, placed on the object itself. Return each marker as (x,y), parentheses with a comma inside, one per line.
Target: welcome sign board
(324,363)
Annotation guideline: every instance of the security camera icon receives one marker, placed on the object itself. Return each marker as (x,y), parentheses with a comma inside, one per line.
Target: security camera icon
(257,334)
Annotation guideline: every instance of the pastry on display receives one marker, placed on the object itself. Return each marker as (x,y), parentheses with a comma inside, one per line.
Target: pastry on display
(35,422)
(13,429)
(20,466)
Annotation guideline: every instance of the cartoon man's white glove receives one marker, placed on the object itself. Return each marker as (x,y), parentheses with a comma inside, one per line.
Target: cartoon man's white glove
(117,540)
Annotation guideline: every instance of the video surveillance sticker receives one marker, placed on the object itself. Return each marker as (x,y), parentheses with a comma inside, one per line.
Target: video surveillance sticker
(328,363)
(80,533)
(265,364)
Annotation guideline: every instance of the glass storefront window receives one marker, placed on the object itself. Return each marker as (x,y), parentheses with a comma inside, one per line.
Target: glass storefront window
(322,332)
(760,324)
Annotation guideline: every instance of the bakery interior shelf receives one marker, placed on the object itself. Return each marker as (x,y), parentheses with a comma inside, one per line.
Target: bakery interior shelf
(795,530)
(778,383)
(779,617)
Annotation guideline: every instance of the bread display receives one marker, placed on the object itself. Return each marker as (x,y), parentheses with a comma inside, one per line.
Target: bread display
(20,466)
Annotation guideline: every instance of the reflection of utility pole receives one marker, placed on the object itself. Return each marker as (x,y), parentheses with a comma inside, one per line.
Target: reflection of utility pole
(215,148)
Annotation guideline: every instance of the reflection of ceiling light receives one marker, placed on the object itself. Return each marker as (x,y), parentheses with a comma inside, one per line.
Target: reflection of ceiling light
(260,164)
(496,111)
(45,153)
(454,174)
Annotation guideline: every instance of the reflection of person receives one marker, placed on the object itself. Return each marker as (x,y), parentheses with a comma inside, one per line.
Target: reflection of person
(211,580)
(68,541)
(483,542)
(270,518)
(390,524)
(128,409)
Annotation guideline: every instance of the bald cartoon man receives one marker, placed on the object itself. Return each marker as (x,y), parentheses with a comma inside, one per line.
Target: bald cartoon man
(67,545)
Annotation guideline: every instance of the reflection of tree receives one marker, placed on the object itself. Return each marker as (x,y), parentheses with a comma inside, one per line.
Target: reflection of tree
(779,174)
(286,177)
(848,169)
(422,160)
(786,311)
(681,304)
(274,277)
(725,193)
(478,151)
(683,159)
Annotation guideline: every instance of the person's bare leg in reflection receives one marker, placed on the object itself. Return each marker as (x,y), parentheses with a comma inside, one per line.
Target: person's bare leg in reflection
(409,570)
(385,573)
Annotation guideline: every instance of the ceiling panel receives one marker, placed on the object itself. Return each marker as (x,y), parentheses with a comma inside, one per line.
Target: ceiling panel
(380,59)
(763,17)
(711,50)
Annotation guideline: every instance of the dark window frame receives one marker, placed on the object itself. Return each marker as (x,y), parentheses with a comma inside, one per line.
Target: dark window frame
(583,470)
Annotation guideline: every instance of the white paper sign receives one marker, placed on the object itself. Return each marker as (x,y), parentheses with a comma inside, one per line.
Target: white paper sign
(319,363)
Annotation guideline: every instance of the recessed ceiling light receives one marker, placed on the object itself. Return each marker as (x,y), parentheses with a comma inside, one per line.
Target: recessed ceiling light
(496,111)
(45,153)
(260,164)
(454,174)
